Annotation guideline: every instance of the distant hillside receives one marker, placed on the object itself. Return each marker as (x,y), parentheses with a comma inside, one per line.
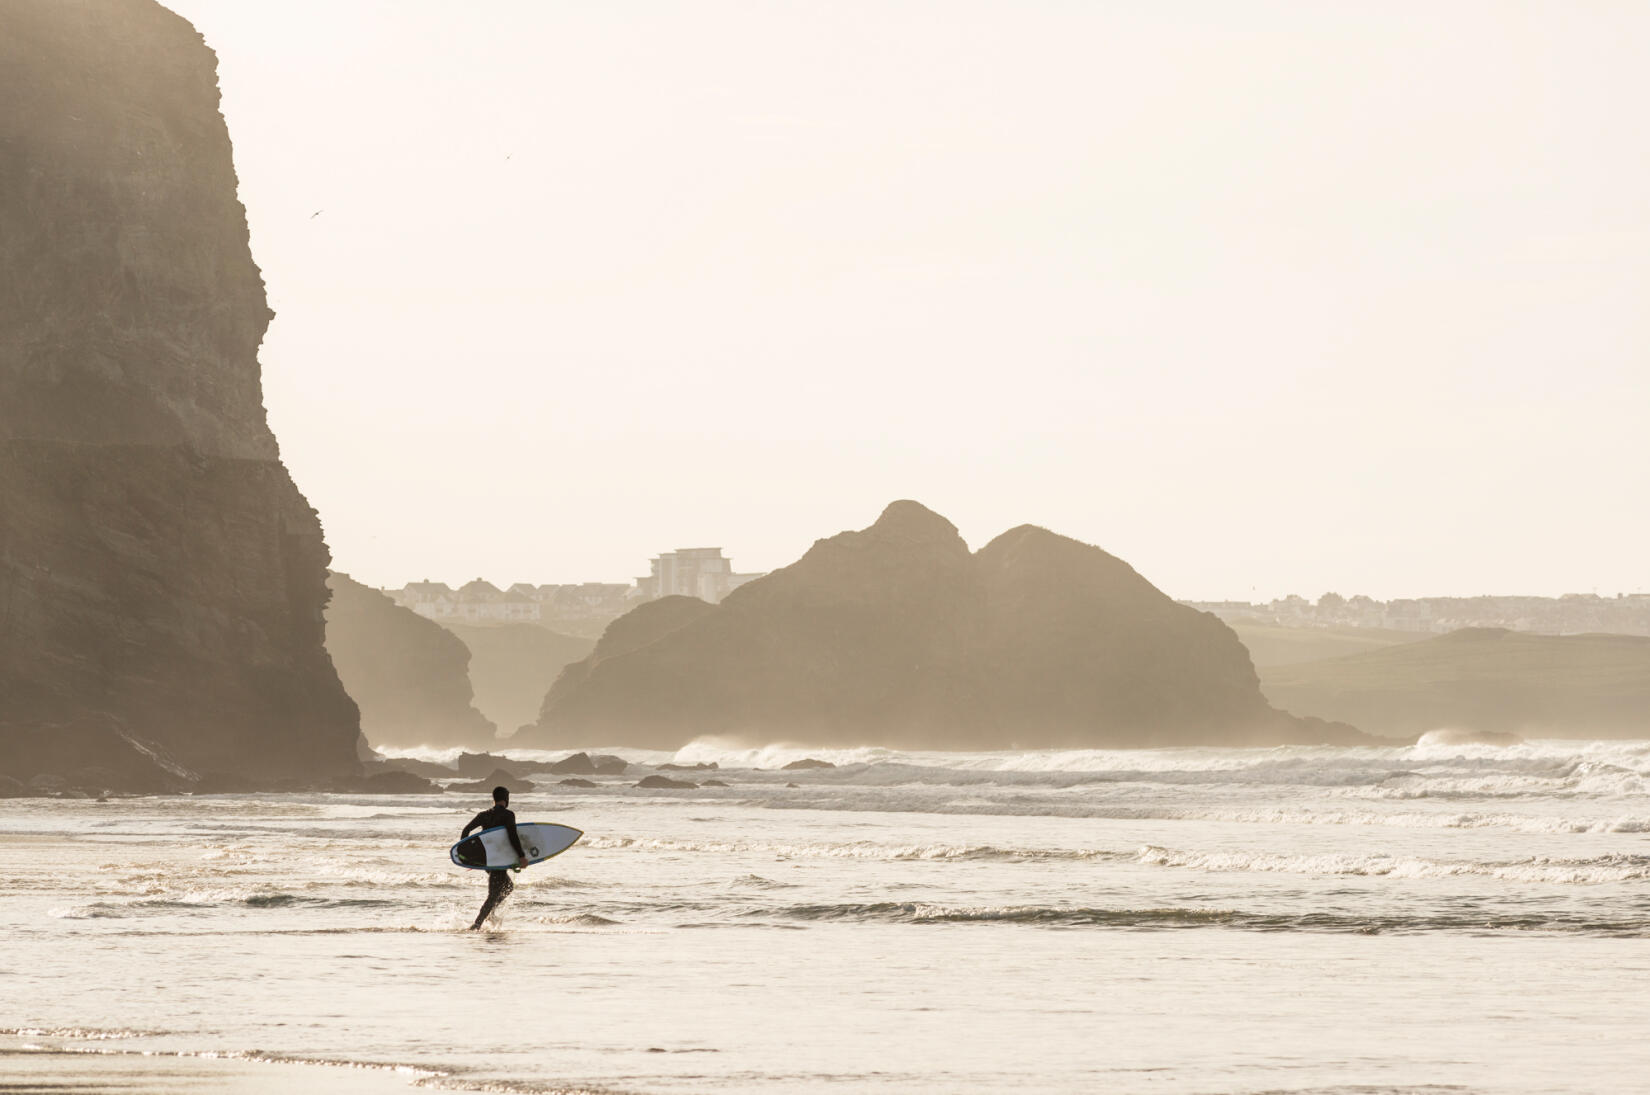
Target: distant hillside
(409,676)
(1480,679)
(1275,644)
(897,635)
(512,667)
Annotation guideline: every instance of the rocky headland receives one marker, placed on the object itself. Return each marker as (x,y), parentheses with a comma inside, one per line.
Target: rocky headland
(897,635)
(409,675)
(162,580)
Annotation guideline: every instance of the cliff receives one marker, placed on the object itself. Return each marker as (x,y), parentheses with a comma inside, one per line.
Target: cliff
(161,578)
(1480,679)
(409,675)
(896,635)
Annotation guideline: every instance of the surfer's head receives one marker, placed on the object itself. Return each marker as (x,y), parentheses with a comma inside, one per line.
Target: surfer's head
(501,796)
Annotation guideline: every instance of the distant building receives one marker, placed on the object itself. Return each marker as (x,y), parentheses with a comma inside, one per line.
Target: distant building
(585,599)
(694,572)
(704,573)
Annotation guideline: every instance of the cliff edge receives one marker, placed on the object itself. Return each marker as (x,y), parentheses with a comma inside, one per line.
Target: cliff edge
(410,676)
(161,578)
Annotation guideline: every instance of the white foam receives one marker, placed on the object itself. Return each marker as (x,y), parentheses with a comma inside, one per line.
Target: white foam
(858,849)
(776,756)
(1542,869)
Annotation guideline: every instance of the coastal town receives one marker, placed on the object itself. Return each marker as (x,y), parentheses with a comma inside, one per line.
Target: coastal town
(1571,614)
(708,574)
(705,573)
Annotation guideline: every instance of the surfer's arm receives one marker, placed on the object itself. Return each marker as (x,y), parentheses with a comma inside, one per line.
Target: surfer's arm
(477,823)
(515,839)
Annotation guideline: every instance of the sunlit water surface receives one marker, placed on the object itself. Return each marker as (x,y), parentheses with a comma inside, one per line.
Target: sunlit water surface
(1426,919)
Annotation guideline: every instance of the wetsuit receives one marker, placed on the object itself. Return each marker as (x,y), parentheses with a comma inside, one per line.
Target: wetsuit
(498,882)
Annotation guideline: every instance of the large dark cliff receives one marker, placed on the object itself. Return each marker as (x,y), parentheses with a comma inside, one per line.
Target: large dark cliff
(161,578)
(409,675)
(896,635)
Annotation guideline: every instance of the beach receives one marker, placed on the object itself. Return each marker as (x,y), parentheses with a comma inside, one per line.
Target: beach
(49,1063)
(1191,922)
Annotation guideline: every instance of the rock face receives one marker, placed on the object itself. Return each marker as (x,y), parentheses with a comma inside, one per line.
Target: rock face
(896,635)
(161,578)
(513,665)
(409,675)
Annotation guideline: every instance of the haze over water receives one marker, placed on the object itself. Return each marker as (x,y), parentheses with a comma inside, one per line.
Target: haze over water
(1406,920)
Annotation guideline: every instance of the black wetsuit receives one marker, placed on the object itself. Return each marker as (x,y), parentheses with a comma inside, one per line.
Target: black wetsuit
(498,882)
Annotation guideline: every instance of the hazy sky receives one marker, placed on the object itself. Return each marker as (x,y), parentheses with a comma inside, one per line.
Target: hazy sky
(1262,297)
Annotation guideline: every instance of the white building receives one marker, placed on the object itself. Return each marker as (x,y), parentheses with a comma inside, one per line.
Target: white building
(704,573)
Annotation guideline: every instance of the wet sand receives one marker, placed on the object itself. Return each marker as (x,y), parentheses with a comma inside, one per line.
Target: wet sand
(52,1070)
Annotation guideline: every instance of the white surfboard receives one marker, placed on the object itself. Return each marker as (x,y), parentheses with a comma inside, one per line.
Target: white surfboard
(490,850)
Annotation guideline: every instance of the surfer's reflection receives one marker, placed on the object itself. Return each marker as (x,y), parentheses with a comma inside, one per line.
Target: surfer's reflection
(498,881)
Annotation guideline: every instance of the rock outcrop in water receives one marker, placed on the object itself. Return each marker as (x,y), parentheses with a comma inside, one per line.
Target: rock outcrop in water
(161,578)
(409,675)
(896,635)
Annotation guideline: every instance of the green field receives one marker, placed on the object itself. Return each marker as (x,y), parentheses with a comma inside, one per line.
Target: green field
(1478,679)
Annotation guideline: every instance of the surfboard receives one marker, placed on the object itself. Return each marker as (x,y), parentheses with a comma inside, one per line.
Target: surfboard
(489,850)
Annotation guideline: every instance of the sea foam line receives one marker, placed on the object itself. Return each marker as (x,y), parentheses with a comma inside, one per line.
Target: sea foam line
(1057,916)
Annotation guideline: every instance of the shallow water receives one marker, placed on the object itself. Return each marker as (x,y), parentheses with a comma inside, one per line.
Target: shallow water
(1191,922)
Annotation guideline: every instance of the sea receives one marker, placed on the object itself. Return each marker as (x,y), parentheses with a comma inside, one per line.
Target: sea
(1429,919)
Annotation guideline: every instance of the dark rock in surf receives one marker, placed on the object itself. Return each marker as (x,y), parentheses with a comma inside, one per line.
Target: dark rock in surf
(608,765)
(161,577)
(579,764)
(702,766)
(499,778)
(409,675)
(897,635)
(476,765)
(390,783)
(575,781)
(665,783)
(805,764)
(713,783)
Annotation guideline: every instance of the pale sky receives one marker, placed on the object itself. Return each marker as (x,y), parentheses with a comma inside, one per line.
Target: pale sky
(1262,297)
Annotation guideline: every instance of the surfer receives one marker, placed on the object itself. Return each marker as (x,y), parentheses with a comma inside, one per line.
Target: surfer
(498,882)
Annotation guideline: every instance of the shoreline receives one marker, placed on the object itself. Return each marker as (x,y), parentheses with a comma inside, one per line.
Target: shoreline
(55,1064)
(65,1063)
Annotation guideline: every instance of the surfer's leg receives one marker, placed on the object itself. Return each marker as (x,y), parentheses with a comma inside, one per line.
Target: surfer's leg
(498,888)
